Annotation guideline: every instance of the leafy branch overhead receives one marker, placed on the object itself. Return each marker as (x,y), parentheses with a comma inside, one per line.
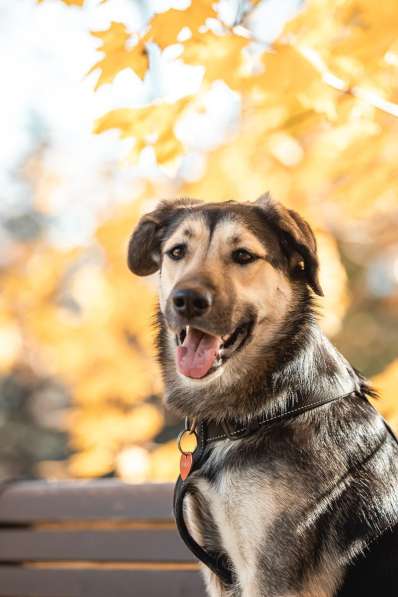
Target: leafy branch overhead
(122,50)
(324,55)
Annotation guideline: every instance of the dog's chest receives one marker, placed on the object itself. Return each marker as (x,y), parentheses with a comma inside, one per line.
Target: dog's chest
(243,509)
(247,511)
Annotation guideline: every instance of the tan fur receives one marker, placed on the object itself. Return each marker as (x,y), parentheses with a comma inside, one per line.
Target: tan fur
(260,285)
(174,271)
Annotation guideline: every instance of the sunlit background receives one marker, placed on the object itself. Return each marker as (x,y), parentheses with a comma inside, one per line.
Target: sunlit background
(107,107)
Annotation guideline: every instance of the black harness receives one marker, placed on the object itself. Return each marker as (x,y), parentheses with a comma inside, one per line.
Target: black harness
(208,433)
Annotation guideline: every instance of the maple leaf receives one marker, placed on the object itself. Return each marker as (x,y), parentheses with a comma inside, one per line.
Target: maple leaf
(117,54)
(221,55)
(165,27)
(144,124)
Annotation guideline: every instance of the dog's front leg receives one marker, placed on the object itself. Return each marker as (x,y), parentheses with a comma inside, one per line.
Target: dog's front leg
(199,522)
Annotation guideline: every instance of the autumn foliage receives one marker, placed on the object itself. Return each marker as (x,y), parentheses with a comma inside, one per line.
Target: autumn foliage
(317,126)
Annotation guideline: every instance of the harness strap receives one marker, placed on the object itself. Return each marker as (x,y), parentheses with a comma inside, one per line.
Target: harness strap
(211,560)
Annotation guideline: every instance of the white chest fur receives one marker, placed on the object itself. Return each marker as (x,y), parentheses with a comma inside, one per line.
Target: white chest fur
(243,508)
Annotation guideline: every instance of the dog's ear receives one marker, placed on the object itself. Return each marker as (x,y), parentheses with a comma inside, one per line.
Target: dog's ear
(145,243)
(297,239)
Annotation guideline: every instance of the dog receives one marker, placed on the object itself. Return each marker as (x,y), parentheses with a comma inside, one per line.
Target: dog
(306,505)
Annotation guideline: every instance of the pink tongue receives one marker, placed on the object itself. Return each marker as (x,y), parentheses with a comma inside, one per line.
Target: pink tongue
(197,353)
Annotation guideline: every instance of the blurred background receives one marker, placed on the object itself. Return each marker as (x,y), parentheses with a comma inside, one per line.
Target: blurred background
(107,106)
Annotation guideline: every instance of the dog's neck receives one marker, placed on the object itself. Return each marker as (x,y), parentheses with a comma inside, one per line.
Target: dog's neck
(305,367)
(316,370)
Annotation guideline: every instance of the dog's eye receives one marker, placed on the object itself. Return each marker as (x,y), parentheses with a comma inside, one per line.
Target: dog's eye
(177,252)
(243,257)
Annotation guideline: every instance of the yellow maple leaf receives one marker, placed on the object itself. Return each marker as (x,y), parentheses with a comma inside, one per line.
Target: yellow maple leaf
(117,54)
(151,125)
(221,55)
(165,27)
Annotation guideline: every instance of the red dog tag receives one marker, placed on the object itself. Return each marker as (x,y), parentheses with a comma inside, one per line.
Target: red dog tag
(185,465)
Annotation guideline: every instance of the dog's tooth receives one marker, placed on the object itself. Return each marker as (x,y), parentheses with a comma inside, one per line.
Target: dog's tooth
(217,362)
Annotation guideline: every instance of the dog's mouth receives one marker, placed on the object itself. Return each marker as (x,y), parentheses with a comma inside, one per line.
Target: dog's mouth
(200,354)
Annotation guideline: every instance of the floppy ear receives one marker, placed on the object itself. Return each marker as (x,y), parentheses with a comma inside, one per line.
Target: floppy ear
(145,243)
(297,239)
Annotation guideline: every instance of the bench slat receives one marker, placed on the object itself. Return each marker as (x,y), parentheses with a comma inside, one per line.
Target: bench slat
(21,582)
(113,546)
(32,501)
(92,539)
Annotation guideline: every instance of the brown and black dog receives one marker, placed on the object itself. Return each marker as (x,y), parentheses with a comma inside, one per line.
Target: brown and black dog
(304,507)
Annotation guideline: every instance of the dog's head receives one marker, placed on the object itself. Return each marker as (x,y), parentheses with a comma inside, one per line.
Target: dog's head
(231,276)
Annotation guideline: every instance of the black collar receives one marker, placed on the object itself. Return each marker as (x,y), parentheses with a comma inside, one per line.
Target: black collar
(209,432)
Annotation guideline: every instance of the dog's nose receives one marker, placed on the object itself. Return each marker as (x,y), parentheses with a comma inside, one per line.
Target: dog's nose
(191,303)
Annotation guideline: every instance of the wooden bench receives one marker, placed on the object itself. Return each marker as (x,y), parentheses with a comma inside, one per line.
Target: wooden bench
(92,539)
